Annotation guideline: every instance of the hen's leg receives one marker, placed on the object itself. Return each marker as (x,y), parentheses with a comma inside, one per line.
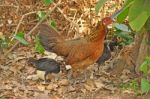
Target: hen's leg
(82,65)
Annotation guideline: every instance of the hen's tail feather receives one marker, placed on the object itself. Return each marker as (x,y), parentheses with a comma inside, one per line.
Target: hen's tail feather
(49,37)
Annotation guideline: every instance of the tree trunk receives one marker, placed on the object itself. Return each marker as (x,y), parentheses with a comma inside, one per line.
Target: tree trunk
(132,56)
(142,48)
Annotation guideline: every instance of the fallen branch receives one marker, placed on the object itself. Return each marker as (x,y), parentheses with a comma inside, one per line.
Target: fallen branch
(30,32)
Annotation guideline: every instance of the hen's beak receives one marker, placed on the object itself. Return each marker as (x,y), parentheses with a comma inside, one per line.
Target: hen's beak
(113,20)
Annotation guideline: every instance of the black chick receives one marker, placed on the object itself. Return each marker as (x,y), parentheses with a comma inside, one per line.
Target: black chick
(46,64)
(108,47)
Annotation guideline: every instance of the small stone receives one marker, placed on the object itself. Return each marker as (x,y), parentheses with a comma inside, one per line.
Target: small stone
(68,67)
(50,55)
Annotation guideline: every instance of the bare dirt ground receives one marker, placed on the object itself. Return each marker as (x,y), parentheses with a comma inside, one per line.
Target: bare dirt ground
(15,72)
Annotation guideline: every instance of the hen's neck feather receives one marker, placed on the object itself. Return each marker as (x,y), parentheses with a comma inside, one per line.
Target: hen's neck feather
(97,33)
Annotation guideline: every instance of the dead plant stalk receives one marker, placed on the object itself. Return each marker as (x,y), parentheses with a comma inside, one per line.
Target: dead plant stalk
(31,31)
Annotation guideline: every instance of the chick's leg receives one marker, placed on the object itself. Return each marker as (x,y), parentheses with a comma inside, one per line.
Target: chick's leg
(45,75)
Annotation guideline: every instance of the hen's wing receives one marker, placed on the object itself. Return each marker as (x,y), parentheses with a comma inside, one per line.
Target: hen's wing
(66,47)
(79,53)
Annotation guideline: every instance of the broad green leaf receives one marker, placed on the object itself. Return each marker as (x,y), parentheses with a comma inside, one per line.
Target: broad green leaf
(38,47)
(145,85)
(145,66)
(124,11)
(20,37)
(99,5)
(41,14)
(47,2)
(122,16)
(122,27)
(127,2)
(139,21)
(52,23)
(138,14)
(148,60)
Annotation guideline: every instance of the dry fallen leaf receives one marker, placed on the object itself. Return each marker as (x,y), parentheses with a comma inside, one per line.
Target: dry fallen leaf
(63,82)
(1,35)
(52,86)
(31,70)
(41,96)
(99,84)
(90,86)
(87,87)
(54,97)
(71,89)
(41,87)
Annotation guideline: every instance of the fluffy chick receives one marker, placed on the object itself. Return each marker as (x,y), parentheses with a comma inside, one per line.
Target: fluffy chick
(45,64)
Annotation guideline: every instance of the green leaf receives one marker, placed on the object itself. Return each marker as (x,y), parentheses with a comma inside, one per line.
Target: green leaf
(4,42)
(122,27)
(139,22)
(52,24)
(121,17)
(128,2)
(38,47)
(145,66)
(127,39)
(99,5)
(124,11)
(3,97)
(20,37)
(41,14)
(145,85)
(138,14)
(148,42)
(47,2)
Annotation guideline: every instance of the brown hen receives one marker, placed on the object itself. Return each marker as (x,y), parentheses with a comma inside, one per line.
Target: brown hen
(79,53)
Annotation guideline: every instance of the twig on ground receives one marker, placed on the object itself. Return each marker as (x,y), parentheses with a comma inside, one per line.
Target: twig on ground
(71,26)
(14,25)
(18,26)
(30,32)
(17,7)
(9,6)
(75,24)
